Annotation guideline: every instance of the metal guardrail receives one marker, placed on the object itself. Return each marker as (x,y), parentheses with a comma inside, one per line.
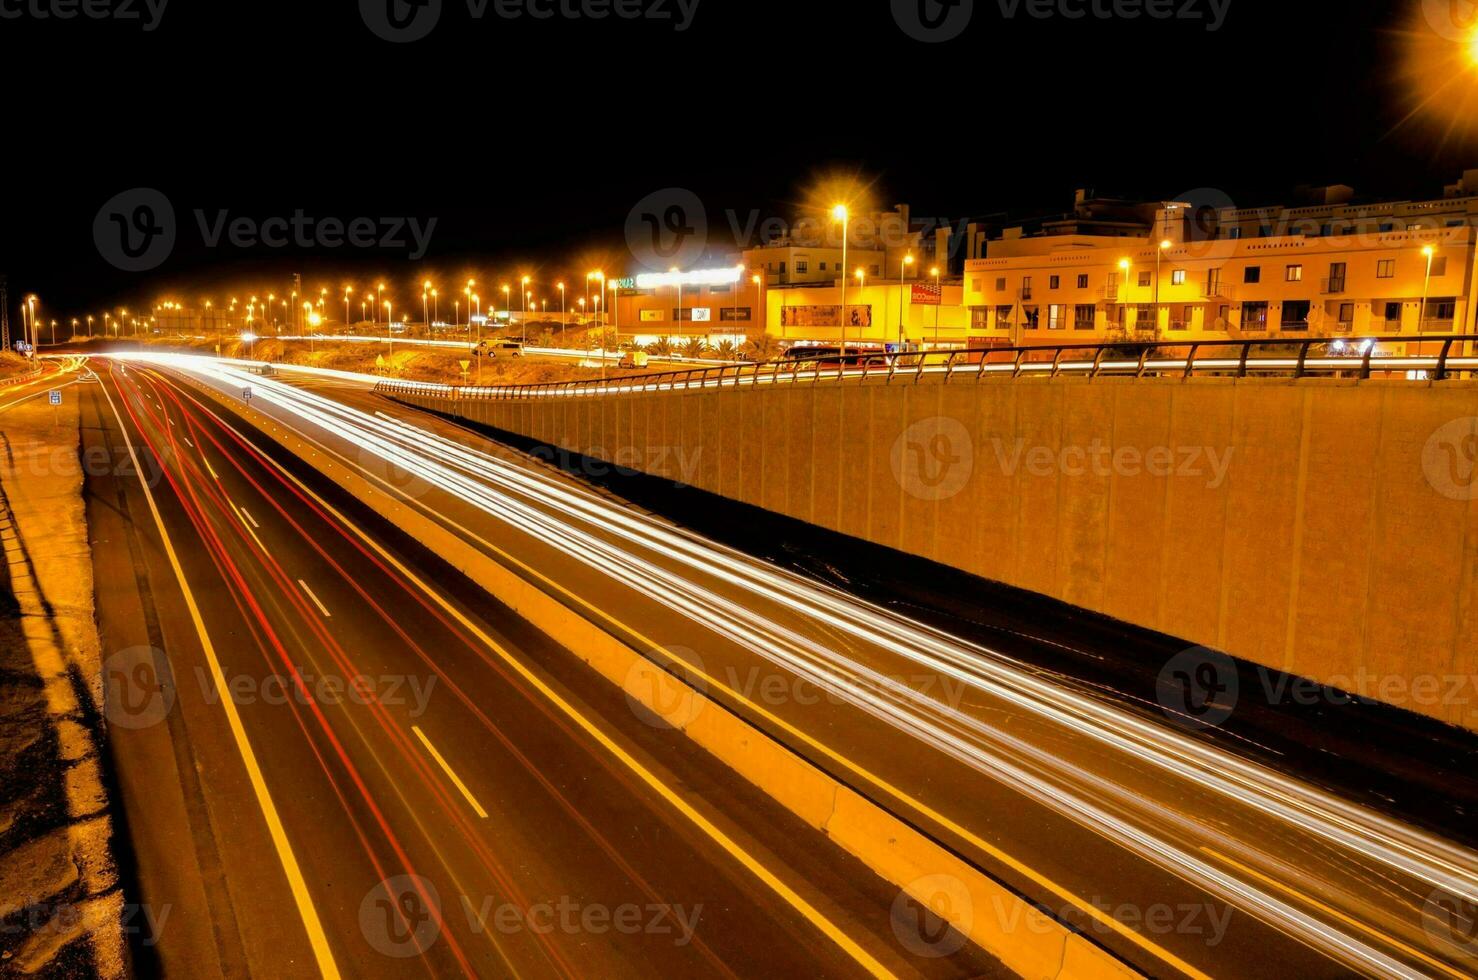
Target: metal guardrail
(1296,357)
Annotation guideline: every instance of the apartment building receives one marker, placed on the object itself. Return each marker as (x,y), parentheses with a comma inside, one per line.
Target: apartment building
(1336,269)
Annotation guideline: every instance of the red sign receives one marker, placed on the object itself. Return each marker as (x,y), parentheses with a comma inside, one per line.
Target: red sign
(926,294)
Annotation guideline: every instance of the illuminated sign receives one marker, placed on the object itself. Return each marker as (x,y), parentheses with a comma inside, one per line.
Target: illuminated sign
(651,316)
(701,314)
(698,277)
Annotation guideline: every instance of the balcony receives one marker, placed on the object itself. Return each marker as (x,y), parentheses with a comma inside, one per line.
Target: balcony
(1218,290)
(1433,324)
(1332,286)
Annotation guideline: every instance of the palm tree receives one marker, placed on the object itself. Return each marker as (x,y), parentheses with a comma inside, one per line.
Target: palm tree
(661,347)
(694,347)
(724,350)
(761,347)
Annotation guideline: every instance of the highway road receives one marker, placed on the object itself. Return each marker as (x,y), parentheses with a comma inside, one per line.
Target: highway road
(405,777)
(1176,853)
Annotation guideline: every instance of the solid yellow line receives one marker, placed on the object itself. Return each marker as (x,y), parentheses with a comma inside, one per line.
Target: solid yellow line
(316,936)
(730,846)
(461,786)
(1327,910)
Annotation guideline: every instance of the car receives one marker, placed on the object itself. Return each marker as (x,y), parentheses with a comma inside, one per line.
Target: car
(634,359)
(493,348)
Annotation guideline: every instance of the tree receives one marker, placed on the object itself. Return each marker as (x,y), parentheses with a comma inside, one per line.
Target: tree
(694,347)
(724,350)
(761,347)
(661,347)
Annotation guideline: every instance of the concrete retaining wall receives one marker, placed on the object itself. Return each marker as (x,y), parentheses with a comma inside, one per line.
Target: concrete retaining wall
(1323,527)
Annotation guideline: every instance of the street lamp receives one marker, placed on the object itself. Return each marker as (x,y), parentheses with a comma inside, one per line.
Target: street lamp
(389,331)
(902,271)
(677,314)
(759,299)
(564,321)
(525,282)
(1124,267)
(1429,252)
(840,213)
(938,302)
(1165,246)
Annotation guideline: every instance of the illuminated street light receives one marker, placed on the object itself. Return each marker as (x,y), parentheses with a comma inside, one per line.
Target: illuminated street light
(902,272)
(840,213)
(1429,252)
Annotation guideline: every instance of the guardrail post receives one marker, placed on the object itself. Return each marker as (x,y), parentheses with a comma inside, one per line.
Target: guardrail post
(1242,366)
(1190,361)
(1303,356)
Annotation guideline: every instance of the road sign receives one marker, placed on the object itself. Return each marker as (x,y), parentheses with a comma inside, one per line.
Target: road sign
(246,394)
(55,397)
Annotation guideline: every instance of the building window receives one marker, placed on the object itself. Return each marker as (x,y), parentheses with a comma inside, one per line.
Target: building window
(1253,273)
(802,267)
(1385,269)
(1254,316)
(823,267)
(1001,284)
(1234,233)
(1084,315)
(1144,278)
(1177,278)
(1003,317)
(1083,281)
(782,268)
(1336,282)
(1264,231)
(1213,282)
(1295,273)
(1144,317)
(1440,314)
(980,318)
(1057,317)
(1439,266)
(1346,314)
(1296,314)
(1026,287)
(1029,317)
(873,271)
(1386,226)
(1054,282)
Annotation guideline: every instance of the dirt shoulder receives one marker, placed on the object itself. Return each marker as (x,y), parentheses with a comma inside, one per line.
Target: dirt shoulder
(61,905)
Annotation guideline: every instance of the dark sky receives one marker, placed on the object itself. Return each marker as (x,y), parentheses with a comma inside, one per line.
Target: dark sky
(531,141)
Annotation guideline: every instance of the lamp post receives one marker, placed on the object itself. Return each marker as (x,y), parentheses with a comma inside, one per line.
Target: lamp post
(1421,322)
(564,321)
(759,299)
(1124,266)
(525,290)
(348,291)
(841,214)
(1164,247)
(677,314)
(902,271)
(938,302)
(389,328)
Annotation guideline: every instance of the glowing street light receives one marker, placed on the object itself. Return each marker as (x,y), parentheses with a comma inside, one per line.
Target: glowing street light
(840,213)
(1429,252)
(902,272)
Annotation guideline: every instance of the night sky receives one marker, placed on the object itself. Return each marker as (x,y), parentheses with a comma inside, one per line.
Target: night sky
(530,141)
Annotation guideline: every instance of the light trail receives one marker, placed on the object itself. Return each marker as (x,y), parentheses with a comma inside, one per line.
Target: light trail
(613,540)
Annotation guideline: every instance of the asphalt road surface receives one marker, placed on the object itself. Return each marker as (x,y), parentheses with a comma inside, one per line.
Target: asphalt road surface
(405,777)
